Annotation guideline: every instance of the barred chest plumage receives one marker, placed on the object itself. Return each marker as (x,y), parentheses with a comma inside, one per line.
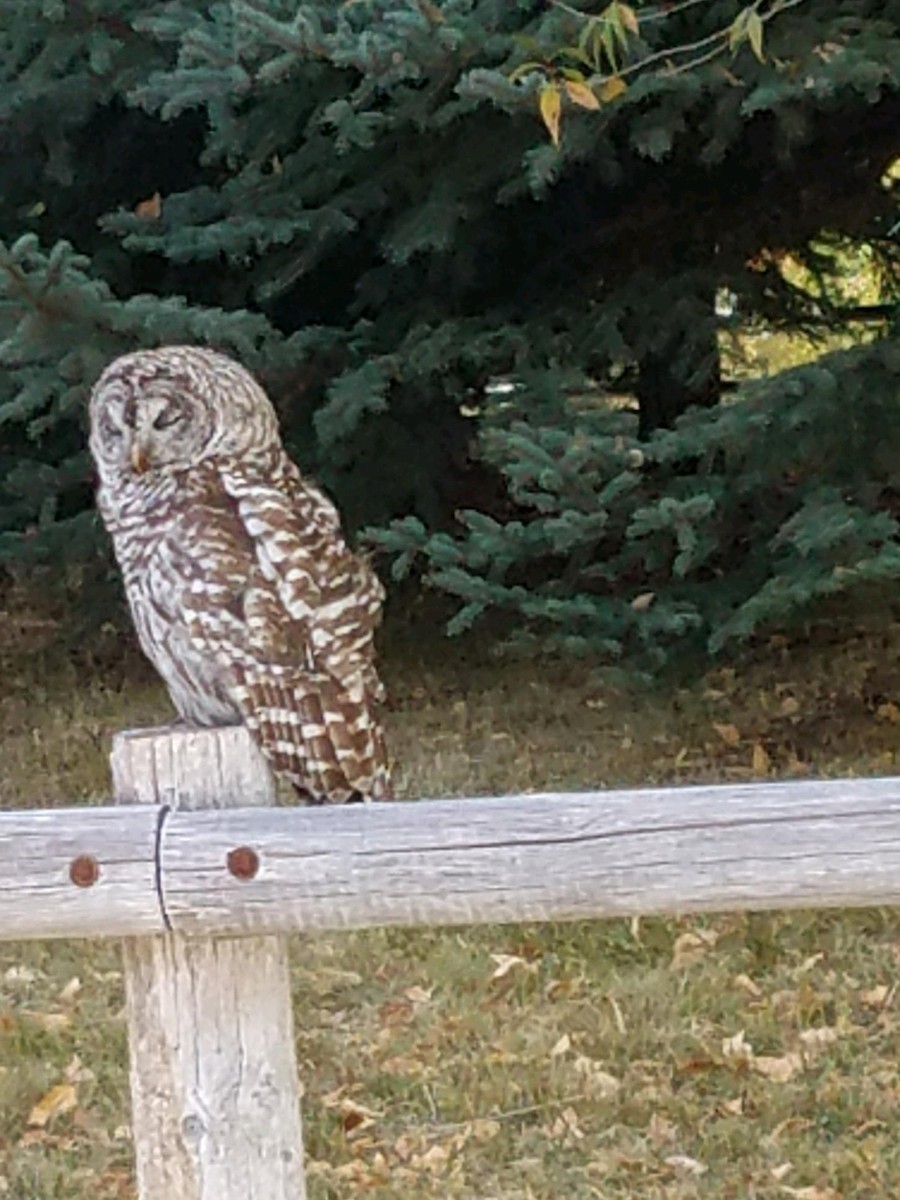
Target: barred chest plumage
(244,594)
(155,527)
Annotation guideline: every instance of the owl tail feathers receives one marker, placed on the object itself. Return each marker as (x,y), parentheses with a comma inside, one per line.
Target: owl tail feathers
(320,733)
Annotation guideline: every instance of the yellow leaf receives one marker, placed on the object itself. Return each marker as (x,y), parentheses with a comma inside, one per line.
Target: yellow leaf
(60,1099)
(613,87)
(642,602)
(738,30)
(747,27)
(580,93)
(550,104)
(755,34)
(628,17)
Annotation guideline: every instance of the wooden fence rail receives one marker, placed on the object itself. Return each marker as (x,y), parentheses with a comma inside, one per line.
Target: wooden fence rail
(202,877)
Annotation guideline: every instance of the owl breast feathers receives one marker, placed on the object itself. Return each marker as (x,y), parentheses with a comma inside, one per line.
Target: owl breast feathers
(243,591)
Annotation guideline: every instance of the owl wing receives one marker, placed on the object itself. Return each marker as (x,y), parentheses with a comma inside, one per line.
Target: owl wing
(299,633)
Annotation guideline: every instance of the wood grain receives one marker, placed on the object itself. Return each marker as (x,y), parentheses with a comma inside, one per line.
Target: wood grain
(214,1087)
(554,856)
(37,852)
(539,857)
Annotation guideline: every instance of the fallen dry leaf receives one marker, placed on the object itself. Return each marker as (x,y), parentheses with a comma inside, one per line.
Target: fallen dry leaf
(482,1129)
(562,989)
(875,997)
(811,1193)
(690,947)
(77,1072)
(20,975)
(746,984)
(599,1083)
(396,1012)
(61,1098)
(779,1070)
(812,961)
(433,1160)
(818,1038)
(71,990)
(506,963)
(781,1171)
(689,1166)
(761,762)
(619,1016)
(418,995)
(49,1022)
(730,734)
(565,1127)
(560,1047)
(737,1048)
(356,1117)
(661,1130)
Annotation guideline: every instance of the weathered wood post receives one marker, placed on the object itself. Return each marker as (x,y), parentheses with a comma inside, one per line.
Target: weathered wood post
(214,1085)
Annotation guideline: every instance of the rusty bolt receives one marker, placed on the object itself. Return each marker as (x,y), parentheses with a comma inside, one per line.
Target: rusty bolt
(84,871)
(243,863)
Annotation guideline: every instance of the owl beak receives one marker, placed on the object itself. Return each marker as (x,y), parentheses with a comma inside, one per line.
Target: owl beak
(139,460)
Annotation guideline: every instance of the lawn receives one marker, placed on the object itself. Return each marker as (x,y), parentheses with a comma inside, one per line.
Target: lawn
(734,1056)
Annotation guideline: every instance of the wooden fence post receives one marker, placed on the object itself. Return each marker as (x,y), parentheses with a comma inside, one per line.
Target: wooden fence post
(214,1085)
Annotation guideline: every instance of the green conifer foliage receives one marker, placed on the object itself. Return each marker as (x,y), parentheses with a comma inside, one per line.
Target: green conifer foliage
(365,203)
(733,523)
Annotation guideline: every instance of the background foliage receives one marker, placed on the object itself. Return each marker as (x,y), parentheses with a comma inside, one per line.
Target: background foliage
(377,208)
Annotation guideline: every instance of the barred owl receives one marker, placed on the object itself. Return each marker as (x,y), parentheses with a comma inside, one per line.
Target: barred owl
(244,594)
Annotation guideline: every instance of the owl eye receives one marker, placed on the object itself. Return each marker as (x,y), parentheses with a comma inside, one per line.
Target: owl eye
(167,418)
(111,431)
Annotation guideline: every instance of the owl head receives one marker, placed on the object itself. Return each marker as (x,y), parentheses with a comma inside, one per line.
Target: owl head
(166,410)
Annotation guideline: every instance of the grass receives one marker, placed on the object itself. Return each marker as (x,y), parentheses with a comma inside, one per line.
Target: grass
(749,1057)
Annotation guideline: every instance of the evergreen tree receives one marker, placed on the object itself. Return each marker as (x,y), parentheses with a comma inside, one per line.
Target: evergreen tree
(363,201)
(670,549)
